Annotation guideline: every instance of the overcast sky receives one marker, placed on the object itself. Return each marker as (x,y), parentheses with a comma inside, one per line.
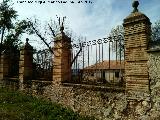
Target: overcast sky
(93,20)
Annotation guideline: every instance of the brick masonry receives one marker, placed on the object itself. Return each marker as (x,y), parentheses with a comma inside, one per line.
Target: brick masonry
(137,35)
(61,59)
(4,65)
(25,64)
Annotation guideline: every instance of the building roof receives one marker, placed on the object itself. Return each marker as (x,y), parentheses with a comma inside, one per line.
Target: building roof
(105,65)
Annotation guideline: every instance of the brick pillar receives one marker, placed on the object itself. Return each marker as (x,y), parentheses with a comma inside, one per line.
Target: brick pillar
(62,58)
(1,68)
(137,35)
(4,65)
(25,63)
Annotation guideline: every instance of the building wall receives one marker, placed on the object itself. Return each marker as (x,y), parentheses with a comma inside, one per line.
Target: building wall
(109,75)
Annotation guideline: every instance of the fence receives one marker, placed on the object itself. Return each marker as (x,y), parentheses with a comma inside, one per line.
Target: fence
(42,65)
(99,61)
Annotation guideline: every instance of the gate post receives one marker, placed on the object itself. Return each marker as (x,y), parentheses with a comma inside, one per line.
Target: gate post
(4,65)
(137,35)
(62,58)
(25,64)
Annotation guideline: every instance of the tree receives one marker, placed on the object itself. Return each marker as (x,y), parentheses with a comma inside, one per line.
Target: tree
(155,35)
(36,30)
(117,34)
(12,39)
(117,38)
(7,15)
(51,29)
(10,31)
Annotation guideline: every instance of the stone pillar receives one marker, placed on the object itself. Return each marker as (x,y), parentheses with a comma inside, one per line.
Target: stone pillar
(1,67)
(137,35)
(26,63)
(62,58)
(4,65)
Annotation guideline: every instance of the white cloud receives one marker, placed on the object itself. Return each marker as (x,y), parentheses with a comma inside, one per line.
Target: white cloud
(91,20)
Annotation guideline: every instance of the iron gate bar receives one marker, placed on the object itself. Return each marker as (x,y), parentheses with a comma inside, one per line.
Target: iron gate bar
(42,64)
(102,65)
(76,65)
(116,52)
(83,57)
(99,52)
(102,52)
(99,57)
(109,54)
(88,56)
(93,42)
(96,61)
(109,59)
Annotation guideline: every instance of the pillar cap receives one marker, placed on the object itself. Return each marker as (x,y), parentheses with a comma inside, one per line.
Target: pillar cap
(62,36)
(136,15)
(27,45)
(135,6)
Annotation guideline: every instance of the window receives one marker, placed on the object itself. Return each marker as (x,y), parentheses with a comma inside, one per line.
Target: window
(117,74)
(92,74)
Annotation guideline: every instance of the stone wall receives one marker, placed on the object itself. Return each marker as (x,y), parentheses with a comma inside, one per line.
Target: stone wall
(99,101)
(104,103)
(154,73)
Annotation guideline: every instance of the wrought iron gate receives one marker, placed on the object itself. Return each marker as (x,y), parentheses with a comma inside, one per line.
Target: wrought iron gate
(99,61)
(42,65)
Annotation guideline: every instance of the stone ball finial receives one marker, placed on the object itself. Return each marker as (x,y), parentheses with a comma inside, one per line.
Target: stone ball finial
(27,40)
(62,27)
(135,6)
(27,45)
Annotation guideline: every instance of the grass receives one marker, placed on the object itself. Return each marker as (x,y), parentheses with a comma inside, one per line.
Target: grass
(17,106)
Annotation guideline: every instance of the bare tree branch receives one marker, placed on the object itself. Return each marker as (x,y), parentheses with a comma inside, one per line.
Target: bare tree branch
(76,56)
(42,38)
(53,33)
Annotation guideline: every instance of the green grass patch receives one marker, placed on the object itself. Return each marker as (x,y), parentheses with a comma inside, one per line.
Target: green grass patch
(17,106)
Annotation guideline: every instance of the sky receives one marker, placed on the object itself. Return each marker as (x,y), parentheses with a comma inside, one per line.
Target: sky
(93,20)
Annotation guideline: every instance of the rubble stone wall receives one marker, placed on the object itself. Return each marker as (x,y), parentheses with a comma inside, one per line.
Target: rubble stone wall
(100,102)
(154,73)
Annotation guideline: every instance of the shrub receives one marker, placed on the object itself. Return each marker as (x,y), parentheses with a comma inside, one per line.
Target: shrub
(17,106)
